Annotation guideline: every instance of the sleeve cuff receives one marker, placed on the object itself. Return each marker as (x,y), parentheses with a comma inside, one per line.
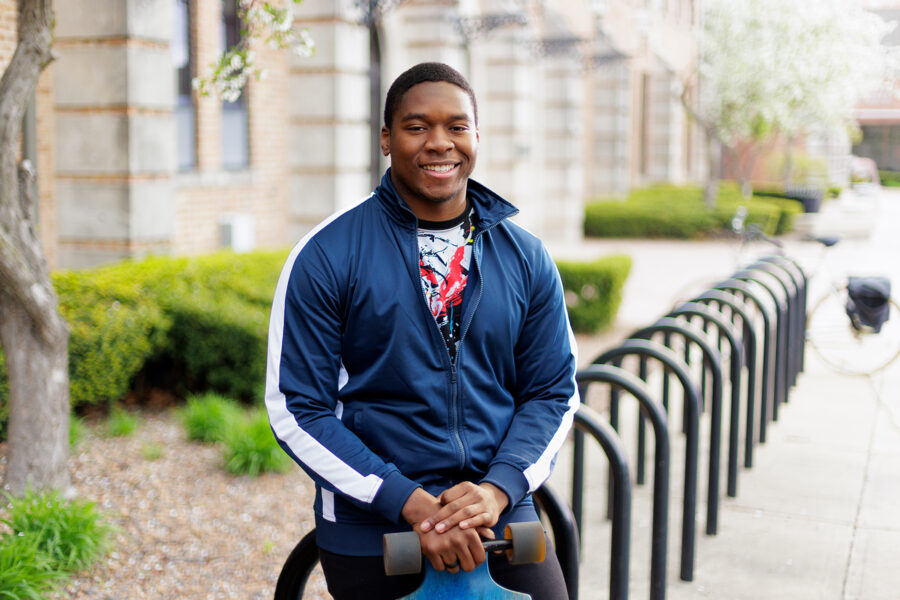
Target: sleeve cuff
(510,480)
(395,491)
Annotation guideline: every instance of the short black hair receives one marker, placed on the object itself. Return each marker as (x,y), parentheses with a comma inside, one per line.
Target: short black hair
(422,72)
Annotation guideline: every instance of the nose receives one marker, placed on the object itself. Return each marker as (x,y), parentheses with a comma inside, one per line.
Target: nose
(438,140)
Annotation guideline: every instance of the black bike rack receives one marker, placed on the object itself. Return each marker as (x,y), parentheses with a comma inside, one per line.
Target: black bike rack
(749,339)
(639,347)
(793,344)
(781,335)
(767,375)
(659,533)
(587,421)
(711,360)
(726,329)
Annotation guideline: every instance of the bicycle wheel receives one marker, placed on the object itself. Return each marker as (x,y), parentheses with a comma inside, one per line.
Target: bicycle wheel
(843,348)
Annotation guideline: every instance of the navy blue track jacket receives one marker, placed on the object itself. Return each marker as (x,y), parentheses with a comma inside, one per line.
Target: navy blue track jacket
(360,388)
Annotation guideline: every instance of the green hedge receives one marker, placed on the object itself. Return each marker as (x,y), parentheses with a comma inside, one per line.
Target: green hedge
(889,178)
(668,211)
(200,324)
(594,290)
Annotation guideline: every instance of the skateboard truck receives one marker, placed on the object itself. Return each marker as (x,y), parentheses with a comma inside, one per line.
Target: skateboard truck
(523,543)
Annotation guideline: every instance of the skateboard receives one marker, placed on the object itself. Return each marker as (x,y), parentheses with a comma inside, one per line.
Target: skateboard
(522,542)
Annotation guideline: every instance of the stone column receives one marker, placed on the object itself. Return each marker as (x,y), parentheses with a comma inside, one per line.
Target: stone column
(563,190)
(425,31)
(329,116)
(611,146)
(511,125)
(115,133)
(665,129)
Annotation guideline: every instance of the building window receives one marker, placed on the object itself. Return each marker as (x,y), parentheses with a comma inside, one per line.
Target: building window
(185,110)
(235,123)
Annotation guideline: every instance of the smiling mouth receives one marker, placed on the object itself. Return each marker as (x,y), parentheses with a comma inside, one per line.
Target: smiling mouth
(439,169)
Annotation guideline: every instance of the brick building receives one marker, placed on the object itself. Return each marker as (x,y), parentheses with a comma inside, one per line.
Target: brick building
(577,98)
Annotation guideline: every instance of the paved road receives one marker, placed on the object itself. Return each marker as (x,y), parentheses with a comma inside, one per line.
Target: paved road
(818,515)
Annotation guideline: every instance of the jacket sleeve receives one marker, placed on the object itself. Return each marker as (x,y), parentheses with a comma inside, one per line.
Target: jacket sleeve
(303,378)
(546,394)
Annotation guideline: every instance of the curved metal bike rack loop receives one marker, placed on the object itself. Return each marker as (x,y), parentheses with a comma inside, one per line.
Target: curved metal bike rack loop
(781,334)
(767,375)
(725,329)
(750,345)
(711,359)
(793,344)
(692,432)
(295,572)
(565,537)
(793,270)
(660,526)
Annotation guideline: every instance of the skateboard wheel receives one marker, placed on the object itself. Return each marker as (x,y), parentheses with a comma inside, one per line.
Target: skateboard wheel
(402,553)
(529,544)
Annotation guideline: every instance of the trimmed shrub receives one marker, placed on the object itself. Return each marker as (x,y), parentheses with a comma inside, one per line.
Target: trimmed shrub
(221,341)
(207,418)
(71,533)
(202,317)
(667,211)
(594,290)
(251,449)
(889,178)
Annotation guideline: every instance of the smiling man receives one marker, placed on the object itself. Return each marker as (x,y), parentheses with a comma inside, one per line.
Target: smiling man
(421,365)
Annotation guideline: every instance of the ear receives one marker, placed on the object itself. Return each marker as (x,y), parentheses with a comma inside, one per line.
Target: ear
(385,141)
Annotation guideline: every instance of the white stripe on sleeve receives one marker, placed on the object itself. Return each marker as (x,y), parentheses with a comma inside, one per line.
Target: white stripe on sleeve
(314,455)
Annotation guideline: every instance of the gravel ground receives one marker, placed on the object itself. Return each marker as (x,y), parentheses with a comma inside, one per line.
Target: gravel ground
(185,528)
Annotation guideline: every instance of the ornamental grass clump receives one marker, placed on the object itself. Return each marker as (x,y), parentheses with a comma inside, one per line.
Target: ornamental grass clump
(68,535)
(251,449)
(26,573)
(121,423)
(208,417)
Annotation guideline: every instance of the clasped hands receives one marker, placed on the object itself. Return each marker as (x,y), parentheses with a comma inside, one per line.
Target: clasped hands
(451,526)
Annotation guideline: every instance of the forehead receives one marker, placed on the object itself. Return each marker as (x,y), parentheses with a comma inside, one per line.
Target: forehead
(435,98)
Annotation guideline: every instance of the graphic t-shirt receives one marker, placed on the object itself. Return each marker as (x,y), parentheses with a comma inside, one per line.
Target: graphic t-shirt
(445,251)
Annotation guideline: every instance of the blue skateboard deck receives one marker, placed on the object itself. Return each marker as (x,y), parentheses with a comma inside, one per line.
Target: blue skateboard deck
(477,585)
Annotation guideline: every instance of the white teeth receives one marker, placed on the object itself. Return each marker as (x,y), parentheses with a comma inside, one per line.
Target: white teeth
(439,168)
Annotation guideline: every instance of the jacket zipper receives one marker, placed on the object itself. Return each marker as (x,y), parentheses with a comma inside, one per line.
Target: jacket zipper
(455,382)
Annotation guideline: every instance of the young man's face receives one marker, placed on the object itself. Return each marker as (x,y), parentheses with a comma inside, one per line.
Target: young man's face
(433,143)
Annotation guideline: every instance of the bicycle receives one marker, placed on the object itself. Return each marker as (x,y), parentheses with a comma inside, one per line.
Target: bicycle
(854,326)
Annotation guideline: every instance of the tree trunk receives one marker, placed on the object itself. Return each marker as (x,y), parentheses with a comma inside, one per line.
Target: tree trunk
(38,404)
(33,335)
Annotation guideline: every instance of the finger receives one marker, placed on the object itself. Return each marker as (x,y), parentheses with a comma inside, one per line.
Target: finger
(436,561)
(465,513)
(451,564)
(476,551)
(483,519)
(456,492)
(485,533)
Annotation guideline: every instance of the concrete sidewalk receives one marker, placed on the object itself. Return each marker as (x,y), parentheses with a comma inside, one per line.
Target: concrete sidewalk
(818,515)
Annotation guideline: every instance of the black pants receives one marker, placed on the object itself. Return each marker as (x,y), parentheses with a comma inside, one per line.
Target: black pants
(363,578)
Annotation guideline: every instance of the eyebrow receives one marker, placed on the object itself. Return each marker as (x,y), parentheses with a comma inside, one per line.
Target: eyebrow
(423,117)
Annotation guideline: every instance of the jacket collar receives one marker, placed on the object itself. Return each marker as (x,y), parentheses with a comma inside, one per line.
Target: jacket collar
(490,208)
